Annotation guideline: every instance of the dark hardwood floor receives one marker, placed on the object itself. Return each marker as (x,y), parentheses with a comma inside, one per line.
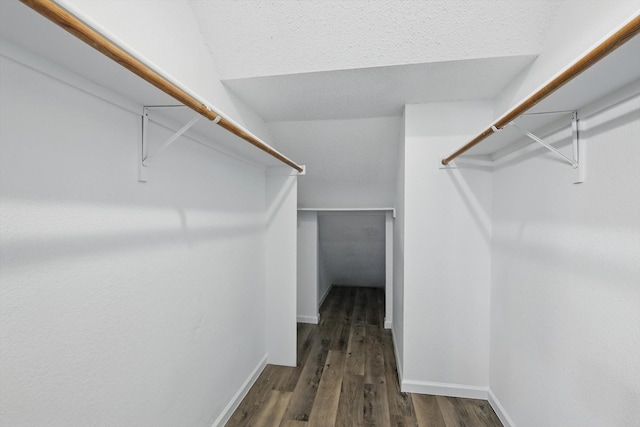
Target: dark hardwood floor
(346,376)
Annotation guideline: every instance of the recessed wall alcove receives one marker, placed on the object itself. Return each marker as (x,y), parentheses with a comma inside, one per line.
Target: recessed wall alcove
(343,248)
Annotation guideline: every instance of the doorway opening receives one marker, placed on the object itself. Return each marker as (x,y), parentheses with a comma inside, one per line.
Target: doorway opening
(343,248)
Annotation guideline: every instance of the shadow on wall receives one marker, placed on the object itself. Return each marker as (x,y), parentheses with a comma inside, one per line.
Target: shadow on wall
(115,229)
(352,248)
(463,180)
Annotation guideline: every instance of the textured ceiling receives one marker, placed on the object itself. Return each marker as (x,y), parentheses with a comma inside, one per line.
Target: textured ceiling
(350,163)
(337,59)
(331,77)
(375,92)
(273,37)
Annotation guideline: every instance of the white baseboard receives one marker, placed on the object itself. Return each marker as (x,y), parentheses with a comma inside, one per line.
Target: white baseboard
(388,324)
(240,394)
(397,354)
(499,410)
(309,319)
(445,389)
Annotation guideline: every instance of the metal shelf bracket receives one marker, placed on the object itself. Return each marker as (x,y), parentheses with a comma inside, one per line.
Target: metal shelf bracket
(145,157)
(578,160)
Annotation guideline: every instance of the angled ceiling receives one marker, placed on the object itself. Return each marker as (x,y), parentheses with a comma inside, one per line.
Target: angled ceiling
(375,92)
(276,37)
(332,77)
(336,59)
(350,163)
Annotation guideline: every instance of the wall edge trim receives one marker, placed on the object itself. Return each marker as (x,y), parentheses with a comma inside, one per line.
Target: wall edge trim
(499,410)
(233,404)
(445,389)
(314,320)
(397,355)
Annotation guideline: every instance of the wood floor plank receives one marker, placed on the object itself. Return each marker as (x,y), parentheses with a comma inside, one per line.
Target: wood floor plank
(330,315)
(351,405)
(360,306)
(400,421)
(428,412)
(357,386)
(340,338)
(356,349)
(400,403)
(325,406)
(374,358)
(381,306)
(483,412)
(455,413)
(270,414)
(376,405)
(305,391)
(254,399)
(373,315)
(306,338)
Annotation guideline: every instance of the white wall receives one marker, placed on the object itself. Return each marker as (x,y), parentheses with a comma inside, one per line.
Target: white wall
(351,163)
(579,25)
(118,297)
(126,303)
(282,192)
(352,247)
(398,256)
(388,266)
(307,270)
(447,241)
(324,282)
(178,49)
(565,295)
(423,32)
(564,323)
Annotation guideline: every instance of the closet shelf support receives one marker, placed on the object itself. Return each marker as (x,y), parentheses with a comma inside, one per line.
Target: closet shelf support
(573,163)
(144,155)
(146,159)
(578,161)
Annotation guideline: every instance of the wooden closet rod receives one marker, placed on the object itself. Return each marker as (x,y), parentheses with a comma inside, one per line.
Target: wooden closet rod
(57,14)
(617,39)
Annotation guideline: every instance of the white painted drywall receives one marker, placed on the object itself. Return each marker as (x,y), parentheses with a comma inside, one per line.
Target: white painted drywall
(307,269)
(447,242)
(350,163)
(578,26)
(283,37)
(564,257)
(352,246)
(122,303)
(398,256)
(324,282)
(166,34)
(565,327)
(388,269)
(280,250)
(564,323)
(126,303)
(348,94)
